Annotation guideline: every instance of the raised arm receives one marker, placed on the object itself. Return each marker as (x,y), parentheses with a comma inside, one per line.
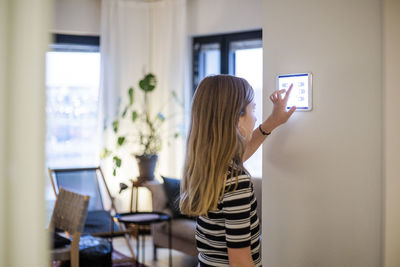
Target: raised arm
(278,116)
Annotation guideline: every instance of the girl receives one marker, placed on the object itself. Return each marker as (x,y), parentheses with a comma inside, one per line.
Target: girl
(215,186)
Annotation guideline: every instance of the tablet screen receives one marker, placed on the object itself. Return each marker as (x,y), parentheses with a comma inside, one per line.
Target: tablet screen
(301,92)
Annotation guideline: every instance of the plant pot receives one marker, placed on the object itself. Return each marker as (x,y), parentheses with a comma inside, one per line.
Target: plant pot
(147,165)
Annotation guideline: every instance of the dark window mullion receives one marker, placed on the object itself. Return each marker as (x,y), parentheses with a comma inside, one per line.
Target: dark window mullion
(196,71)
(224,56)
(76,39)
(244,36)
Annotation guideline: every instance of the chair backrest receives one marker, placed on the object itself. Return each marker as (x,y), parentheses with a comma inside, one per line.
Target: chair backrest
(70,212)
(85,181)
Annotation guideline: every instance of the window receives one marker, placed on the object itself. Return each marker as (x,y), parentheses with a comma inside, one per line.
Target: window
(72,81)
(238,54)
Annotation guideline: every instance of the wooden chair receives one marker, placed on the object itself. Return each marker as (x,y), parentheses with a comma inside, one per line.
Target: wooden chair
(100,221)
(69,215)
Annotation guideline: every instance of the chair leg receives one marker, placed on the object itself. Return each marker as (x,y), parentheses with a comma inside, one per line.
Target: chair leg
(155,252)
(75,249)
(129,246)
(126,237)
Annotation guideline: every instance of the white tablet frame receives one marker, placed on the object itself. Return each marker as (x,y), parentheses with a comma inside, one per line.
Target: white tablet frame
(310,90)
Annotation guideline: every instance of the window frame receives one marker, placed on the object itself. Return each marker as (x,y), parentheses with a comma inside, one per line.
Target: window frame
(224,41)
(81,40)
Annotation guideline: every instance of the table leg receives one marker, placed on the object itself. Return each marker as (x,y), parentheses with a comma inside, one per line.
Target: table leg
(131,207)
(143,249)
(137,246)
(137,199)
(170,243)
(111,236)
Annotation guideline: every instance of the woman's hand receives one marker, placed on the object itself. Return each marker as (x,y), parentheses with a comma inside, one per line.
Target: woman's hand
(279,113)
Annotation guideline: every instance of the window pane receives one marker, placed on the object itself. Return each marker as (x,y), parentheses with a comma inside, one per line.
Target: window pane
(72,136)
(209,60)
(247,63)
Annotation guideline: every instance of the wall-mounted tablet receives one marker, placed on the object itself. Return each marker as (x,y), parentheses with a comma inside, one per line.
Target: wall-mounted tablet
(301,95)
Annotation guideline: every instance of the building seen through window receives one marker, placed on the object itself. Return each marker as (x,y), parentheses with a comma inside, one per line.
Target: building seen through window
(72,105)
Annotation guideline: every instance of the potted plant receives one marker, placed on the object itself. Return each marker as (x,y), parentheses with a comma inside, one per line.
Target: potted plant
(143,136)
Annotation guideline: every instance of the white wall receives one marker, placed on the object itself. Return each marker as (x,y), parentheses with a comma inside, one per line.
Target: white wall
(76,17)
(23,239)
(322,203)
(205,17)
(391,81)
(3,121)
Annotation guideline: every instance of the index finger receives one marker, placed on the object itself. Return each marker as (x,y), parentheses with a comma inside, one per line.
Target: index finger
(288,92)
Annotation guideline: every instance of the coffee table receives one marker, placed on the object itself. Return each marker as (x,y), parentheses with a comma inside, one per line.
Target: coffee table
(146,218)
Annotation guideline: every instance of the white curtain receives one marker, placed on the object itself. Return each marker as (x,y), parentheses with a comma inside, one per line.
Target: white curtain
(139,37)
(24,37)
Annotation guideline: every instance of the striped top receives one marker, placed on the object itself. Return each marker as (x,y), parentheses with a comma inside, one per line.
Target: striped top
(233,225)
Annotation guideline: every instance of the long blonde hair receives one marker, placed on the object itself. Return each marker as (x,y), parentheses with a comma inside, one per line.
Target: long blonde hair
(214,141)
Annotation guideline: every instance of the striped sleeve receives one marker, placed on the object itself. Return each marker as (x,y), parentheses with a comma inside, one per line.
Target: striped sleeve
(236,210)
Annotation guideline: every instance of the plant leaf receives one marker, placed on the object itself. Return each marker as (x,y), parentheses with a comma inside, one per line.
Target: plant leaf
(176,135)
(115,126)
(115,172)
(124,113)
(121,140)
(148,83)
(134,116)
(130,92)
(117,161)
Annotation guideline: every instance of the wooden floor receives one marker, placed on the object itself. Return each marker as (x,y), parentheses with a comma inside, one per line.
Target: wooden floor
(179,259)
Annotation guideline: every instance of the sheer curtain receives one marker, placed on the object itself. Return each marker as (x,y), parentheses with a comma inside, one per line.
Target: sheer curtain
(139,37)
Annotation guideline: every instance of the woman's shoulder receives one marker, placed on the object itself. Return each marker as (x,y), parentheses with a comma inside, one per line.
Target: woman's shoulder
(239,177)
(237,180)
(234,171)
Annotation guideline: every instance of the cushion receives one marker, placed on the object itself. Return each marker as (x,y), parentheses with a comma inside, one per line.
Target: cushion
(93,252)
(99,221)
(172,189)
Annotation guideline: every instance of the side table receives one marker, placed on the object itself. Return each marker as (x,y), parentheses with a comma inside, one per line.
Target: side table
(135,187)
(146,218)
